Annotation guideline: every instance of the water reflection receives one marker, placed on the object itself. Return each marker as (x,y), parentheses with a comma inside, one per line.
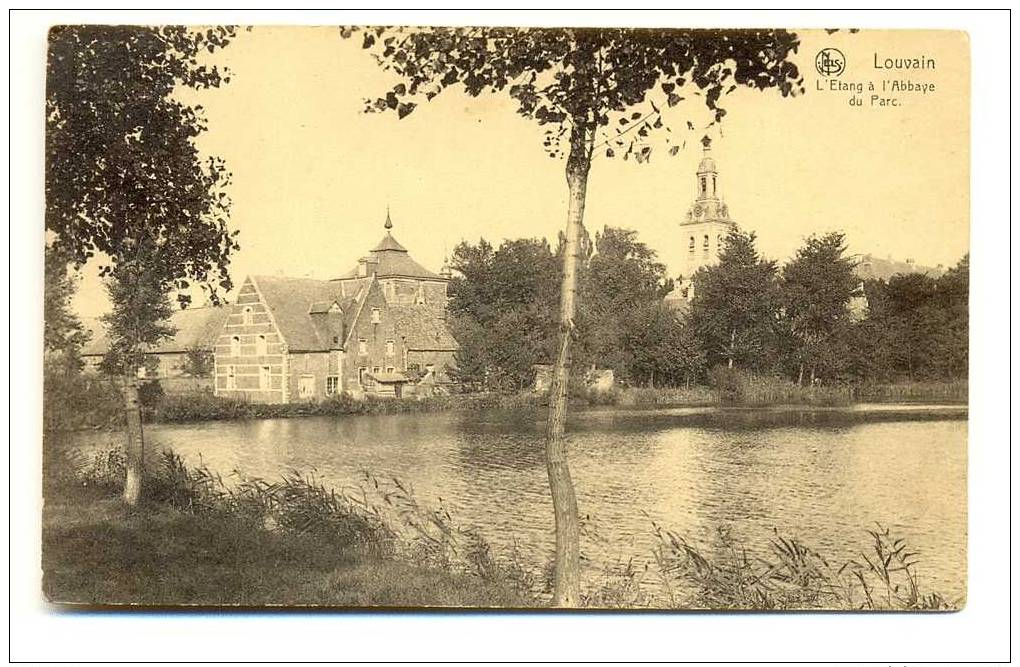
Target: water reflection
(823,478)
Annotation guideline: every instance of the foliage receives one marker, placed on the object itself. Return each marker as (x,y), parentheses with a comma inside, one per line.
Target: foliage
(791,575)
(816,287)
(736,305)
(124,179)
(198,363)
(590,79)
(63,333)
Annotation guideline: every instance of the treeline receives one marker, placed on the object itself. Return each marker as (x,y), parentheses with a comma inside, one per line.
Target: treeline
(810,321)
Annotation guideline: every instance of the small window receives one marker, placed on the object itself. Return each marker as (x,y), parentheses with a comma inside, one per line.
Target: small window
(361,375)
(692,243)
(390,369)
(231,377)
(376,316)
(389,348)
(263,377)
(414,368)
(336,340)
(261,347)
(235,346)
(362,346)
(247,315)
(705,244)
(703,185)
(375,370)
(332,382)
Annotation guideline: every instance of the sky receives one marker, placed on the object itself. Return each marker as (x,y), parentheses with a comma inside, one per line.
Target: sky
(313,175)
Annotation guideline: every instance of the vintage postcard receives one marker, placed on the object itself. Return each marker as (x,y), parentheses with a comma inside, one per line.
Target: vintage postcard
(415,317)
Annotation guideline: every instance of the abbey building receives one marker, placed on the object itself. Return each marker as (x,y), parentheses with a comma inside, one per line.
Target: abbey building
(379,329)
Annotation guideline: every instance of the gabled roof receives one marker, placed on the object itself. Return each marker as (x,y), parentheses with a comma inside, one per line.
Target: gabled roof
(422,328)
(196,328)
(290,301)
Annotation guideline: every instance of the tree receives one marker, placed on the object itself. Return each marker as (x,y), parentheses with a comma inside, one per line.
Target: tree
(735,309)
(580,85)
(63,333)
(500,304)
(816,287)
(125,183)
(621,290)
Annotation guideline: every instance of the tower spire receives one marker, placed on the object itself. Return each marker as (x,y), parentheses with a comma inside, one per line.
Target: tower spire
(389,223)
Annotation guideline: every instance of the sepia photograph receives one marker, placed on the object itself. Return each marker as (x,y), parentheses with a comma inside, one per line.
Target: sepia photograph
(506,318)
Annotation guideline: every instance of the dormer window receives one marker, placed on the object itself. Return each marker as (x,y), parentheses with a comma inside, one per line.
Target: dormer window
(246,315)
(376,316)
(692,243)
(261,347)
(362,346)
(235,346)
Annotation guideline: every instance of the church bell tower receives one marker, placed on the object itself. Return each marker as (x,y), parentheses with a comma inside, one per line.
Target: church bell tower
(708,219)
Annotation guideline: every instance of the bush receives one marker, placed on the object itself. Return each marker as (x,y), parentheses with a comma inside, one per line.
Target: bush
(731,383)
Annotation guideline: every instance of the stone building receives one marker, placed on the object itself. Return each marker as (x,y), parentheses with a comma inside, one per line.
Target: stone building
(379,329)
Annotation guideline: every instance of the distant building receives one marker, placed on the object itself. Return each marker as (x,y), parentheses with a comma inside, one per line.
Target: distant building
(197,330)
(702,232)
(380,329)
(870,267)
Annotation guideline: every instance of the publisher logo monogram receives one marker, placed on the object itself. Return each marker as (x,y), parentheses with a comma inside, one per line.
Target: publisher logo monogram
(830,62)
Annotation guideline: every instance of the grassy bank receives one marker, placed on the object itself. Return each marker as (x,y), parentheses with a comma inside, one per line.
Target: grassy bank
(196,540)
(98,403)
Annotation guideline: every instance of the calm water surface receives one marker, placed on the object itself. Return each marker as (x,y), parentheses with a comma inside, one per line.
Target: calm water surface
(690,470)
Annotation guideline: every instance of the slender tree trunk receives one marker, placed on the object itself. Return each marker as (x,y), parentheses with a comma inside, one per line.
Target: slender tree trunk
(134,451)
(733,341)
(567,587)
(800,375)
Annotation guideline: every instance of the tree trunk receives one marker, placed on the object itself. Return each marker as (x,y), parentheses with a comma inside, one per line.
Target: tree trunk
(134,451)
(800,375)
(567,587)
(733,342)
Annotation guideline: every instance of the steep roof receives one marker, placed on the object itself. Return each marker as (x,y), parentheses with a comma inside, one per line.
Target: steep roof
(291,302)
(422,328)
(391,260)
(196,328)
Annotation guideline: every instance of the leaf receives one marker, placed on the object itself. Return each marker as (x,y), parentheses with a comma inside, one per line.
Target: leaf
(405,108)
(369,40)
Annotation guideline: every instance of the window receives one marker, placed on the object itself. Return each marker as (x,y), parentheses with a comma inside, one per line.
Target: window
(235,346)
(390,369)
(705,244)
(389,348)
(692,243)
(231,377)
(703,185)
(362,346)
(263,377)
(376,316)
(361,375)
(414,368)
(246,315)
(375,370)
(713,186)
(261,348)
(336,340)
(332,383)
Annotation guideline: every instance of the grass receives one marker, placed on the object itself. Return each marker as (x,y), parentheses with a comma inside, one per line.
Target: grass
(196,540)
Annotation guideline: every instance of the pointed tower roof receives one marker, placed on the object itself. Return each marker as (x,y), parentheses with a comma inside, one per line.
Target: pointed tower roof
(392,259)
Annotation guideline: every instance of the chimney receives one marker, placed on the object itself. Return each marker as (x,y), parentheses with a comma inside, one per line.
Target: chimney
(367,266)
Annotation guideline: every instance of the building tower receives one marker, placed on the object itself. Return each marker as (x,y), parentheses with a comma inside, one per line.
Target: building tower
(708,219)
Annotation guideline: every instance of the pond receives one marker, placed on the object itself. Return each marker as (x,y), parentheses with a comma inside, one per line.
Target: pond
(824,476)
